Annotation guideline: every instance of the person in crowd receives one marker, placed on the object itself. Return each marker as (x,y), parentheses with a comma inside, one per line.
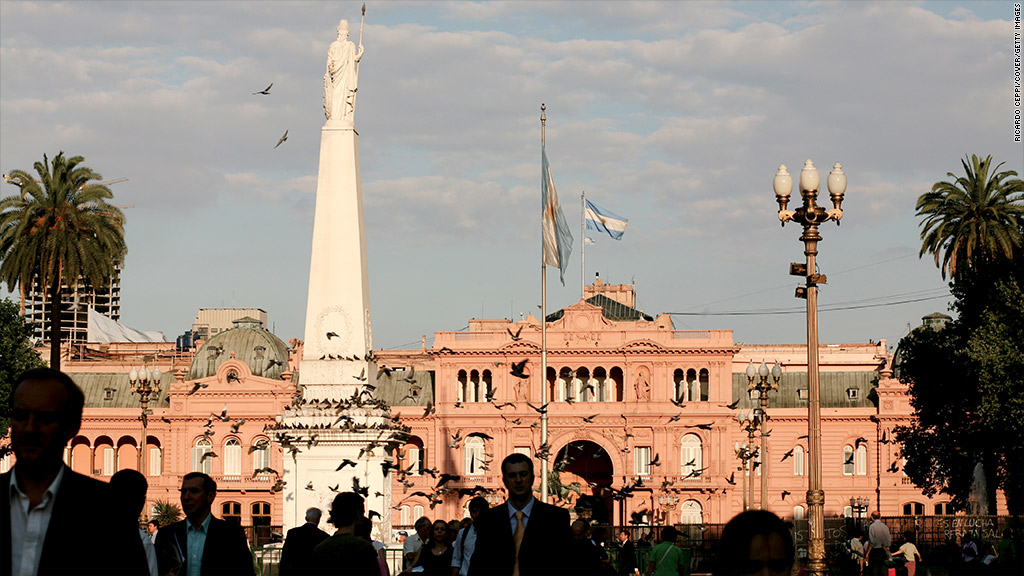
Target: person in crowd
(858,553)
(1007,561)
(666,559)
(201,545)
(415,541)
(153,526)
(755,542)
(645,540)
(909,552)
(465,540)
(130,486)
(363,529)
(345,553)
(879,541)
(969,554)
(435,556)
(584,555)
(523,536)
(45,503)
(626,553)
(297,553)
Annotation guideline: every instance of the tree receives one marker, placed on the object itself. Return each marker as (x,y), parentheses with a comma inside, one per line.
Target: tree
(966,379)
(59,230)
(165,513)
(975,215)
(16,354)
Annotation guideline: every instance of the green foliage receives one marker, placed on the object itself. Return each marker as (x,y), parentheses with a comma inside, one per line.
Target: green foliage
(16,355)
(59,229)
(967,380)
(975,215)
(165,512)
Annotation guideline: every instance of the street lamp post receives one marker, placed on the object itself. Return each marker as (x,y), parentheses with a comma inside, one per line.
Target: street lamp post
(763,386)
(860,506)
(145,383)
(667,505)
(749,422)
(810,215)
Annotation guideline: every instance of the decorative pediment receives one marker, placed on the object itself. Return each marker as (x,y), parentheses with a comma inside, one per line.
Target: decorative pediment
(520,347)
(642,346)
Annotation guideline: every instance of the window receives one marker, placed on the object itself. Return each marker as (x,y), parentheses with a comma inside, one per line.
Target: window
(462,386)
(691,513)
(474,456)
(801,393)
(913,509)
(232,457)
(405,516)
(798,512)
(260,454)
(847,511)
(690,455)
(643,461)
(232,512)
(261,514)
(944,509)
(155,461)
(523,450)
(862,460)
(200,462)
(848,460)
(417,511)
(852,393)
(109,461)
(798,461)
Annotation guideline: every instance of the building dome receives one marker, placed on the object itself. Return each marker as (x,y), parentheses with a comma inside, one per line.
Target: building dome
(247,341)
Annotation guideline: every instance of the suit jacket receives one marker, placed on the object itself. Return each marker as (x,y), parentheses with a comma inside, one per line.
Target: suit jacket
(226,552)
(81,534)
(543,551)
(297,554)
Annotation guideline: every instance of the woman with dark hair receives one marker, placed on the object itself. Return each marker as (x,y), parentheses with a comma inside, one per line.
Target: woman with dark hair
(436,555)
(755,542)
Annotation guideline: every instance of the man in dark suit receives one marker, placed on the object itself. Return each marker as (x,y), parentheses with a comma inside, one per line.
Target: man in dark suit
(297,554)
(523,536)
(201,545)
(44,503)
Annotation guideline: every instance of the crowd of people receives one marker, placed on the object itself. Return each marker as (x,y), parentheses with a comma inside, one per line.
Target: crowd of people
(57,522)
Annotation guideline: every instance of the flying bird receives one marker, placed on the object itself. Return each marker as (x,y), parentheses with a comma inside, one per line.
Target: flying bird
(849,460)
(655,462)
(206,455)
(515,336)
(517,369)
(589,419)
(885,439)
(543,408)
(676,417)
(281,141)
(329,334)
(265,91)
(345,462)
(701,426)
(893,467)
(785,493)
(196,388)
(787,455)
(731,479)
(859,441)
(733,405)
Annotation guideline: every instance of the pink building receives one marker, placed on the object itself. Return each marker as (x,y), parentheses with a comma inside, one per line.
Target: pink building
(616,378)
(210,415)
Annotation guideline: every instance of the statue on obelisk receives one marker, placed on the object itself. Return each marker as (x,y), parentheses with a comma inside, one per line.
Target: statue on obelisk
(341,80)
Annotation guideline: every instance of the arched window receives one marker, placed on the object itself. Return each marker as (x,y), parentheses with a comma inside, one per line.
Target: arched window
(862,460)
(848,460)
(604,393)
(474,455)
(462,386)
(232,457)
(692,386)
(798,512)
(260,454)
(705,382)
(413,456)
(913,509)
(798,461)
(585,387)
(232,512)
(679,385)
(405,516)
(565,379)
(486,391)
(81,456)
(614,384)
(691,455)
(261,514)
(944,509)
(417,511)
(691,512)
(155,457)
(127,453)
(474,387)
(200,462)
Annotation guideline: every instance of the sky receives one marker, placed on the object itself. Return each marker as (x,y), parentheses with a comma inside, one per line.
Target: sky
(675,115)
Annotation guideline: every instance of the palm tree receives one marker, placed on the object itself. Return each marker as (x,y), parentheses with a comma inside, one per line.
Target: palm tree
(974,217)
(165,513)
(59,230)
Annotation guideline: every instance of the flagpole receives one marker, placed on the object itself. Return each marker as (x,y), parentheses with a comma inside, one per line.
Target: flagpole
(583,245)
(543,341)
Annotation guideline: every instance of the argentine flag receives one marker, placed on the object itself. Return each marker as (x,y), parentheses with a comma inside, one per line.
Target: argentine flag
(605,221)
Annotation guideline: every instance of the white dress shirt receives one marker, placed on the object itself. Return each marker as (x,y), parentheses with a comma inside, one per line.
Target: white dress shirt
(28,527)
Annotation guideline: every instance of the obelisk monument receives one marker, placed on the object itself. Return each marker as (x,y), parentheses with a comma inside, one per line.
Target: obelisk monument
(336,417)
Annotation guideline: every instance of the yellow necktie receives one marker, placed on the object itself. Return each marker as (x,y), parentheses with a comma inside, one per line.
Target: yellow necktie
(517,538)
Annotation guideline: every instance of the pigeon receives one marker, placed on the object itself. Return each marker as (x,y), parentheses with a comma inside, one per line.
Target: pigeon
(345,462)
(785,493)
(859,441)
(655,462)
(731,479)
(676,417)
(787,455)
(515,336)
(329,334)
(517,369)
(543,408)
(281,141)
(265,91)
(733,405)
